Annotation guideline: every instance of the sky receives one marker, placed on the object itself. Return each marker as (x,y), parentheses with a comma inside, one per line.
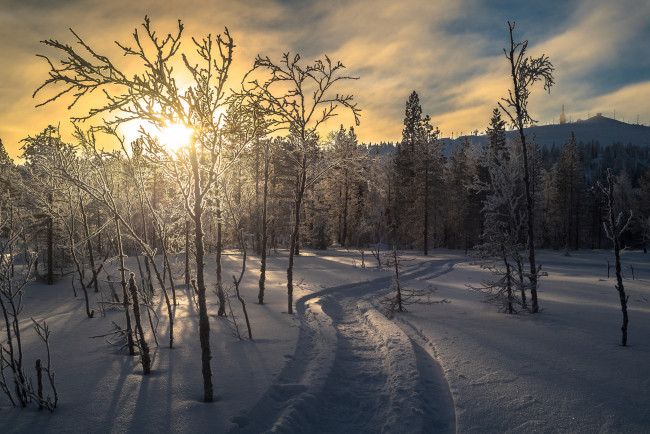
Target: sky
(450,53)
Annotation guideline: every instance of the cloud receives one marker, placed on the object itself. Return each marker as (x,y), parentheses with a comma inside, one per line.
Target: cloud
(449,52)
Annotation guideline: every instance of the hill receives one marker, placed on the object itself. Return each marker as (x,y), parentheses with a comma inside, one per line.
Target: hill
(598,128)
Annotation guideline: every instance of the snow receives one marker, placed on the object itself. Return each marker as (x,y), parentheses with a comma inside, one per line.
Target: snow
(339,365)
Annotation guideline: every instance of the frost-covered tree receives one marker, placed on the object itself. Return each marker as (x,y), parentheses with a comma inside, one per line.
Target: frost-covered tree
(153,95)
(297,98)
(496,133)
(615,226)
(378,220)
(5,159)
(461,210)
(44,192)
(15,383)
(346,184)
(336,206)
(401,296)
(525,72)
(505,220)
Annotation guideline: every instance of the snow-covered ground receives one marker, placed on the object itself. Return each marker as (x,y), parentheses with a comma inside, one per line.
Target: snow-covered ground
(338,365)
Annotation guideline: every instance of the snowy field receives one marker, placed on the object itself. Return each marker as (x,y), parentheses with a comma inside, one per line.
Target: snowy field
(338,365)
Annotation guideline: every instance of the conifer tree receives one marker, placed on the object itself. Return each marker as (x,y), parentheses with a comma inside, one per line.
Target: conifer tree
(569,190)
(417,165)
(641,210)
(496,133)
(5,159)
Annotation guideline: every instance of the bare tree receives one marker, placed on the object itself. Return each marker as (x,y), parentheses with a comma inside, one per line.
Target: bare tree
(265,146)
(614,228)
(154,96)
(525,72)
(14,381)
(235,209)
(145,359)
(402,296)
(297,98)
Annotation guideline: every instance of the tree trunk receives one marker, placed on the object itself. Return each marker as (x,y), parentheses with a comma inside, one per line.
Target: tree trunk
(168,267)
(50,247)
(265,228)
(615,236)
(508,281)
(78,266)
(144,348)
(400,307)
(346,199)
(89,245)
(426,210)
(125,294)
(530,203)
(220,293)
(204,321)
(187,253)
(293,247)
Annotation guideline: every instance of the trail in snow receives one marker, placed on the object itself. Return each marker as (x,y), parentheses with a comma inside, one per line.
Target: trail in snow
(354,371)
(353,393)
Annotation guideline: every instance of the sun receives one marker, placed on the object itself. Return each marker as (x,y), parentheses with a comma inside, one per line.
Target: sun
(172,137)
(175,136)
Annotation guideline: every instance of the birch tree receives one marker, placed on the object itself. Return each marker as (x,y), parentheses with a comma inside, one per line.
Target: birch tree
(615,225)
(525,72)
(297,98)
(154,97)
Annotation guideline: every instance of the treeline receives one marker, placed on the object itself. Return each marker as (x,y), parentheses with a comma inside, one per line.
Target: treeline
(409,194)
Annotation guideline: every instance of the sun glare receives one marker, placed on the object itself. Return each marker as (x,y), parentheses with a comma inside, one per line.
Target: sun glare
(175,136)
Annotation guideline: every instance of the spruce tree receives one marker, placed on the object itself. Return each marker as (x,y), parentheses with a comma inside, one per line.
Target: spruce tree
(5,159)
(417,164)
(569,190)
(496,133)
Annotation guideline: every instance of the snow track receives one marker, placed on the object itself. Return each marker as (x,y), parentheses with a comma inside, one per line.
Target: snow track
(353,371)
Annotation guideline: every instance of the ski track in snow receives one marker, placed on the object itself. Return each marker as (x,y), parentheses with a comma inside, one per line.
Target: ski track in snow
(355,371)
